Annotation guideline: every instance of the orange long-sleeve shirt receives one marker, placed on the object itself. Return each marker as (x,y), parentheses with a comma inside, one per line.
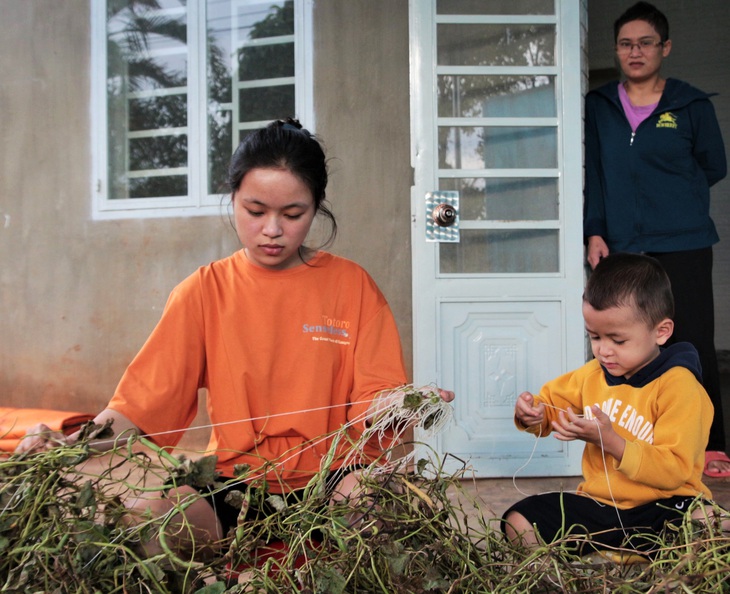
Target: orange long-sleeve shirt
(287,357)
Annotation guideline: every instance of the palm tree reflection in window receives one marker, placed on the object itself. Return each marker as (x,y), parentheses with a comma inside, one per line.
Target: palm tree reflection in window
(149,83)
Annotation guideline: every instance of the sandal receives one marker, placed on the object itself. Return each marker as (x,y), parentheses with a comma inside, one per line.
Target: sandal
(711,456)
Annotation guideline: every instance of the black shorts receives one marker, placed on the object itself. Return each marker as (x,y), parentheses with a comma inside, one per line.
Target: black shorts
(228,514)
(557,515)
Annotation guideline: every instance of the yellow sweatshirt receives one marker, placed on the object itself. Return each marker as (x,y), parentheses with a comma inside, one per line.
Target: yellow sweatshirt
(662,412)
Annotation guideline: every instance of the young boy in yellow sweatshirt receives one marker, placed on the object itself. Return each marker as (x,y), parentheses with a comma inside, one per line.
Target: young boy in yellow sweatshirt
(639,407)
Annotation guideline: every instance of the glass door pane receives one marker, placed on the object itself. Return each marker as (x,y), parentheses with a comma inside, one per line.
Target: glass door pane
(498,137)
(496,96)
(496,6)
(496,45)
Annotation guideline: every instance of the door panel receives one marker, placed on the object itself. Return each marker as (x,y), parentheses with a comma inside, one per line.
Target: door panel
(496,126)
(497,349)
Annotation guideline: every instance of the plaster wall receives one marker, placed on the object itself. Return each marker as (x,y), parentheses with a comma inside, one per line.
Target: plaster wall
(79,297)
(701,56)
(362,108)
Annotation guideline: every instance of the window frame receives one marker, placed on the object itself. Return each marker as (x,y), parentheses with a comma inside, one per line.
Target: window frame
(198,201)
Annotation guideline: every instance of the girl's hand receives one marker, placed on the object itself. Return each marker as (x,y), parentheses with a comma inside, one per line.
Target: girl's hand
(446,395)
(40,437)
(387,404)
(527,413)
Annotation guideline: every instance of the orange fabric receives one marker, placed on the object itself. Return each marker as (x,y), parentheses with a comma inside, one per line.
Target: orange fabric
(14,422)
(267,345)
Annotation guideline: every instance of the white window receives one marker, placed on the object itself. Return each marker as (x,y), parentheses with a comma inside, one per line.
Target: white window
(176,84)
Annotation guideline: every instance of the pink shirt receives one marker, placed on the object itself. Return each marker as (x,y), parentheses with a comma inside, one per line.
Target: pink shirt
(634,113)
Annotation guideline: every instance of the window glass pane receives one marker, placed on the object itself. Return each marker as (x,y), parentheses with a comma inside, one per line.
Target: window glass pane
(498,251)
(263,18)
(496,45)
(495,7)
(156,153)
(278,58)
(247,44)
(156,187)
(505,199)
(158,112)
(267,103)
(160,152)
(496,96)
(147,77)
(497,147)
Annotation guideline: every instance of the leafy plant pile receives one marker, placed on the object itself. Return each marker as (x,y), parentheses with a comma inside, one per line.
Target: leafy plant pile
(62,530)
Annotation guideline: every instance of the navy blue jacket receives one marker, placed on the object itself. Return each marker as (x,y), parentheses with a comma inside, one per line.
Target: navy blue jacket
(649,191)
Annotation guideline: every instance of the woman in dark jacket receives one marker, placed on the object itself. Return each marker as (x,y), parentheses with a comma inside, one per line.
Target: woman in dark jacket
(653,149)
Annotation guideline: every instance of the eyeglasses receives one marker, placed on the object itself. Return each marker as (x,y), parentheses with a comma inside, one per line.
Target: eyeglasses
(644,45)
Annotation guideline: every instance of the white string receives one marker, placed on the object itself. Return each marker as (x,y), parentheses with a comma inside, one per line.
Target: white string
(605,469)
(426,412)
(608,482)
(247,420)
(395,417)
(525,465)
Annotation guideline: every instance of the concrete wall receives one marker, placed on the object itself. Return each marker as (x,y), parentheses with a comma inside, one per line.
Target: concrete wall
(78,296)
(701,56)
(363,114)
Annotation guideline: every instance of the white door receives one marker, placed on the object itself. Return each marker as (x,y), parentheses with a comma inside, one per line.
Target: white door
(497,219)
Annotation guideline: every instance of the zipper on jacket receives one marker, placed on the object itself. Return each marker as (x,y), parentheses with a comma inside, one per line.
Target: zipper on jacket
(631,142)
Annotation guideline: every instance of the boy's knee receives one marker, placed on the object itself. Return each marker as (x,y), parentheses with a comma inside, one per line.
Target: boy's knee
(713,515)
(517,529)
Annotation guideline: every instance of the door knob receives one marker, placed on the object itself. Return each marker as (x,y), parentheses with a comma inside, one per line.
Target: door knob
(444,215)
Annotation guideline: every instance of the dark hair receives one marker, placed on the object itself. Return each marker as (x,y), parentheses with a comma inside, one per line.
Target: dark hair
(635,280)
(643,11)
(285,144)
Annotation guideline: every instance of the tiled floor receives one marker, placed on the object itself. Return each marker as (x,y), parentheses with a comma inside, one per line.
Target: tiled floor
(494,496)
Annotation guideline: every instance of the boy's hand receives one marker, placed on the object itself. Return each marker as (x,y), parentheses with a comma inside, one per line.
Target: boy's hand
(597,431)
(527,413)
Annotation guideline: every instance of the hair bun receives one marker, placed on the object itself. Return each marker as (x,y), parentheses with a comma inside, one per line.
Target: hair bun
(291,124)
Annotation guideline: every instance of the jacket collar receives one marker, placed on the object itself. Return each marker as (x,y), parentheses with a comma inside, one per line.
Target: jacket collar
(680,354)
(677,94)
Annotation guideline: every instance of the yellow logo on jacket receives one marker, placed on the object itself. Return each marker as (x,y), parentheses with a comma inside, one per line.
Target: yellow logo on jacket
(667,120)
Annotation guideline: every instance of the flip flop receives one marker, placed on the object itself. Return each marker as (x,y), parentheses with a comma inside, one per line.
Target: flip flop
(711,456)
